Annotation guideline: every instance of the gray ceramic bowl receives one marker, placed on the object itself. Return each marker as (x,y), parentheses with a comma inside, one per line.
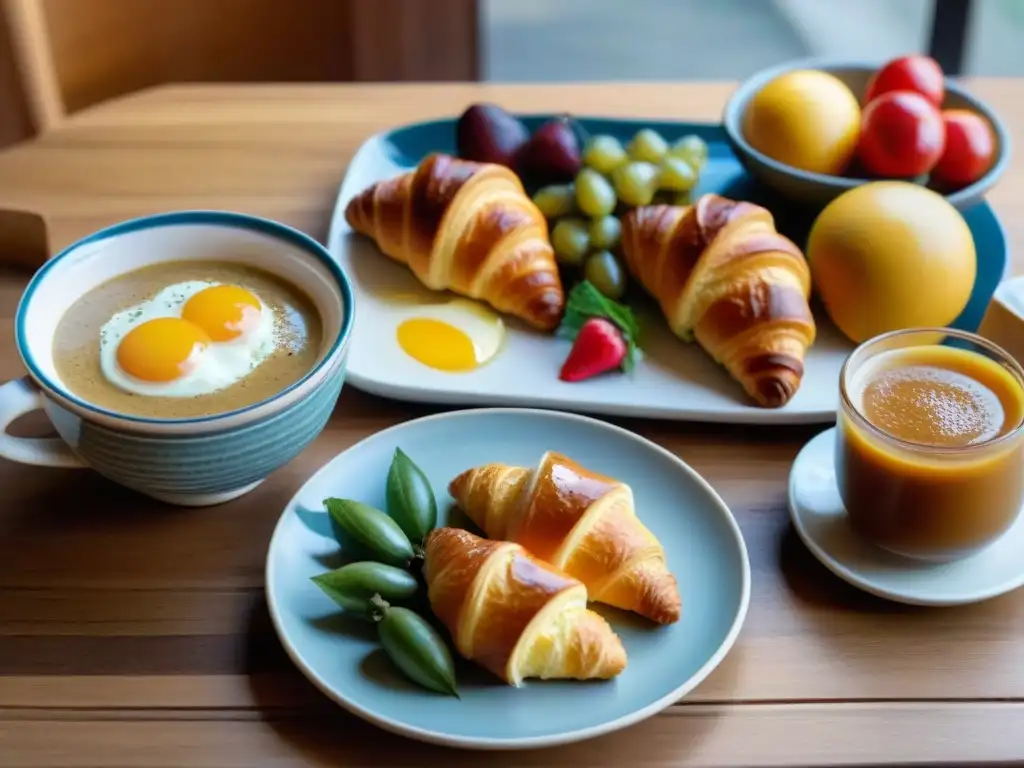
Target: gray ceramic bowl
(818,189)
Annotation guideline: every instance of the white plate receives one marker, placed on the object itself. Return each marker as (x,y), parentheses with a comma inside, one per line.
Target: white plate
(673,381)
(820,520)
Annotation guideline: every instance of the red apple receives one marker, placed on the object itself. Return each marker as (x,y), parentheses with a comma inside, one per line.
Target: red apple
(901,135)
(921,74)
(970,149)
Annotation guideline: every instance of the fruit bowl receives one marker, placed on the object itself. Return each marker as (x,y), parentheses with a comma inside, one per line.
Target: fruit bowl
(817,188)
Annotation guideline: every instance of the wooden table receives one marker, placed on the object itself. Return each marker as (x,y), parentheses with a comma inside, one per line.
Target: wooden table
(137,635)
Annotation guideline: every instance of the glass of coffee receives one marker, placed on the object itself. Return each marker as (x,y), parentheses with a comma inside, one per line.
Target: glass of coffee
(930,442)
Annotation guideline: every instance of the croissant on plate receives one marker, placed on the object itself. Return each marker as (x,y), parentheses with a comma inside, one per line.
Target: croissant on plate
(581,522)
(724,276)
(470,228)
(513,614)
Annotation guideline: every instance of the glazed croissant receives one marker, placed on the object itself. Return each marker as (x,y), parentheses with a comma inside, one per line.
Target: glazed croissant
(514,615)
(579,521)
(470,228)
(724,276)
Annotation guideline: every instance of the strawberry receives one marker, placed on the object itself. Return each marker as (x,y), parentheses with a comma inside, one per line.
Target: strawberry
(599,347)
(604,334)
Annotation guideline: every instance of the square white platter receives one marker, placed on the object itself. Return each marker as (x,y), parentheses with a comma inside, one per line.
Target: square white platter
(673,380)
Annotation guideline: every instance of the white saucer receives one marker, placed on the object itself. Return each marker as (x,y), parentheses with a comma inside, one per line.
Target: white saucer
(820,520)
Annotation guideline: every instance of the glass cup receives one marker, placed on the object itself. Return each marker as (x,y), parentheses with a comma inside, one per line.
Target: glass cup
(927,501)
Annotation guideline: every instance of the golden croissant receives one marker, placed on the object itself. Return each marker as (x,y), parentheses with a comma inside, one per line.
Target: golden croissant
(724,276)
(469,228)
(513,614)
(581,522)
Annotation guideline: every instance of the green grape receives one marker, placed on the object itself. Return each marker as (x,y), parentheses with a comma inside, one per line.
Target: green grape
(594,195)
(676,175)
(648,146)
(571,241)
(682,198)
(605,232)
(636,182)
(604,271)
(668,197)
(604,154)
(693,149)
(556,200)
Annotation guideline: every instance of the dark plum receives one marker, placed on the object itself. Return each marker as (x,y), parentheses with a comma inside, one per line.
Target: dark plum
(553,153)
(486,133)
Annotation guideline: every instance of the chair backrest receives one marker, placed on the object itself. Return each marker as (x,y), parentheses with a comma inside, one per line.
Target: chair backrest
(70,54)
(33,60)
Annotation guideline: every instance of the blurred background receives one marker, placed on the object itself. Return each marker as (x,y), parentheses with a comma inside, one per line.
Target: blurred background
(61,56)
(731,39)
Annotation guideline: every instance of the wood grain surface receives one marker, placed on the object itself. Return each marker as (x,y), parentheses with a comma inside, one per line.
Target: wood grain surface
(59,56)
(134,634)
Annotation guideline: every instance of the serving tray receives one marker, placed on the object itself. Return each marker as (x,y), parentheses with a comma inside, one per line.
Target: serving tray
(673,380)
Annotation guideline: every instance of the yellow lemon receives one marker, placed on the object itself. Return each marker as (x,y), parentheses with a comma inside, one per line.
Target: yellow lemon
(804,118)
(890,255)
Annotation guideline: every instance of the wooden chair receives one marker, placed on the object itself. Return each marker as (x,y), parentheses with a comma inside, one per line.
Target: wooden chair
(30,48)
(69,54)
(60,56)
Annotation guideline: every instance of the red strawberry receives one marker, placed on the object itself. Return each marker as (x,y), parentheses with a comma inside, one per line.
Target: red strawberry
(599,347)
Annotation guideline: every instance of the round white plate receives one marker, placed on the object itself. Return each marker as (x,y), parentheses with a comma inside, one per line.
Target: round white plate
(820,520)
(342,657)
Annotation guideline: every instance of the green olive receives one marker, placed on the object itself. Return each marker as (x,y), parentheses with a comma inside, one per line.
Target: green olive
(370,530)
(606,274)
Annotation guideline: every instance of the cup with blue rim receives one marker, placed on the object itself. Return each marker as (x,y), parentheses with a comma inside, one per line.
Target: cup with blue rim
(184,461)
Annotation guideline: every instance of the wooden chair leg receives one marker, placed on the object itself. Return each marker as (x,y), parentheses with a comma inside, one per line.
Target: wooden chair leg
(30,42)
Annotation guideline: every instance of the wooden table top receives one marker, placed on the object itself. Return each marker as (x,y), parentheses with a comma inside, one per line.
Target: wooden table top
(133,634)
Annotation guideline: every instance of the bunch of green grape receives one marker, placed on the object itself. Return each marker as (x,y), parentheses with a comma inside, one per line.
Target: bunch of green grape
(585,214)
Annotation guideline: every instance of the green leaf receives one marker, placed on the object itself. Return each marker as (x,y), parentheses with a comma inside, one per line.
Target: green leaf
(586,301)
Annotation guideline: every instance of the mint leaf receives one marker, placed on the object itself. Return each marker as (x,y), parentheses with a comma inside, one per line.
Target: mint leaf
(586,301)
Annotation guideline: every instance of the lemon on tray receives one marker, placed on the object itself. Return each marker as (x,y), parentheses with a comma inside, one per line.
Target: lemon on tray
(805,118)
(890,255)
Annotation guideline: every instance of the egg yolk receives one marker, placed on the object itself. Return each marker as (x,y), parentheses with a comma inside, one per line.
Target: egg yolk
(225,312)
(163,349)
(437,344)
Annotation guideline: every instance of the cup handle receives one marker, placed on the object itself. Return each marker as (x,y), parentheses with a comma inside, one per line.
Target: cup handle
(17,398)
